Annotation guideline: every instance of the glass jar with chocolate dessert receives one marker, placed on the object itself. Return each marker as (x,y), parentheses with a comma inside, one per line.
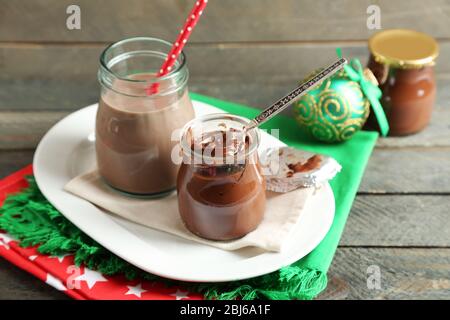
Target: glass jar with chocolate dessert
(221,189)
(403,64)
(134,130)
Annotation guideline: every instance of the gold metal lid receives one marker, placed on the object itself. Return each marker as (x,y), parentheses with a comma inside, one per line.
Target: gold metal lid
(404,48)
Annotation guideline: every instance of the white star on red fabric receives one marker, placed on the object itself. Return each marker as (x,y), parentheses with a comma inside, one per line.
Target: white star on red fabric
(179,295)
(91,277)
(136,290)
(55,282)
(60,258)
(3,244)
(4,240)
(32,258)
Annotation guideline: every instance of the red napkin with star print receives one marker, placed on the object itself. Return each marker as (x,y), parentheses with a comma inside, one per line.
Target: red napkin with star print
(77,282)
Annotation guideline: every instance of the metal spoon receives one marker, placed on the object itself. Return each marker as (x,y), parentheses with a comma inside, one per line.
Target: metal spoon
(295,94)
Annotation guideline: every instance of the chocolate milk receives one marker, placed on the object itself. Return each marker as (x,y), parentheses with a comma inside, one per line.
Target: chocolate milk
(133,137)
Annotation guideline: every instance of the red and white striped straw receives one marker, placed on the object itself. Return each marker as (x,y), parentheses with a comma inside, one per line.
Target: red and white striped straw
(179,44)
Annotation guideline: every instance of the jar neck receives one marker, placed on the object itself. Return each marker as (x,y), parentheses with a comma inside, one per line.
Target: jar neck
(384,72)
(130,66)
(206,141)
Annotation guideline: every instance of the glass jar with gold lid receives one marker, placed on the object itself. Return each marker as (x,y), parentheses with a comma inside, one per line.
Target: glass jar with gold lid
(403,64)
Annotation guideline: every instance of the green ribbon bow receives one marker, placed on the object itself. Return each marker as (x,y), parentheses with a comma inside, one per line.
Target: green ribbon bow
(354,71)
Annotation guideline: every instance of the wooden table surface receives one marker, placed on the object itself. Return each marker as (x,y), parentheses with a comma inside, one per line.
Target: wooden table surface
(400,220)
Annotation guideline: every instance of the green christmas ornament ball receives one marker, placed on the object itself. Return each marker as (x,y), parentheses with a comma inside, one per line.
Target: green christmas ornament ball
(334,111)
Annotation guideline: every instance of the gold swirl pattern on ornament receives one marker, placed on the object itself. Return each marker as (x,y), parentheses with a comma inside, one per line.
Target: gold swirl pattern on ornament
(305,110)
(349,131)
(330,98)
(332,116)
(323,131)
(327,84)
(349,122)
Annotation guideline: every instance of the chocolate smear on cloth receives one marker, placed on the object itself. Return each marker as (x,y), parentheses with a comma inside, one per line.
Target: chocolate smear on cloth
(287,169)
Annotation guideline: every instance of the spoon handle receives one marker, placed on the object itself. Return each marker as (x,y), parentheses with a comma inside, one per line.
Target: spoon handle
(295,94)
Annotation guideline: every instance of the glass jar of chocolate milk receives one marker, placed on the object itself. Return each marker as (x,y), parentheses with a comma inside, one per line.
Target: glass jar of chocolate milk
(134,131)
(221,189)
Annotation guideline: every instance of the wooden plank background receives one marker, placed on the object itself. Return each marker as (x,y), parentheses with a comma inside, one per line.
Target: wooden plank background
(251,52)
(225,21)
(45,66)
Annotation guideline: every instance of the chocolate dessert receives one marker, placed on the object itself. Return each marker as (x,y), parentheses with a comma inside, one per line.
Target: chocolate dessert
(221,145)
(402,62)
(221,200)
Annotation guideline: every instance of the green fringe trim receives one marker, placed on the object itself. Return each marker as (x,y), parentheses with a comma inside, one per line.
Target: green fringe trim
(29,217)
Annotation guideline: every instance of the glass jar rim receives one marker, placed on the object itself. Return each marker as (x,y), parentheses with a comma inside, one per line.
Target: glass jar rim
(187,148)
(168,76)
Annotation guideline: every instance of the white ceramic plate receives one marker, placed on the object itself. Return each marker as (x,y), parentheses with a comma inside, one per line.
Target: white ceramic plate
(67,150)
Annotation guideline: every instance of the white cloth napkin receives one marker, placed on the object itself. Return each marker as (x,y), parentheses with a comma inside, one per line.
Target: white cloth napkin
(282,213)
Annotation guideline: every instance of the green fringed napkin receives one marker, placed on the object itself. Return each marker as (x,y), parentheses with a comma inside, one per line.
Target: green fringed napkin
(31,218)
